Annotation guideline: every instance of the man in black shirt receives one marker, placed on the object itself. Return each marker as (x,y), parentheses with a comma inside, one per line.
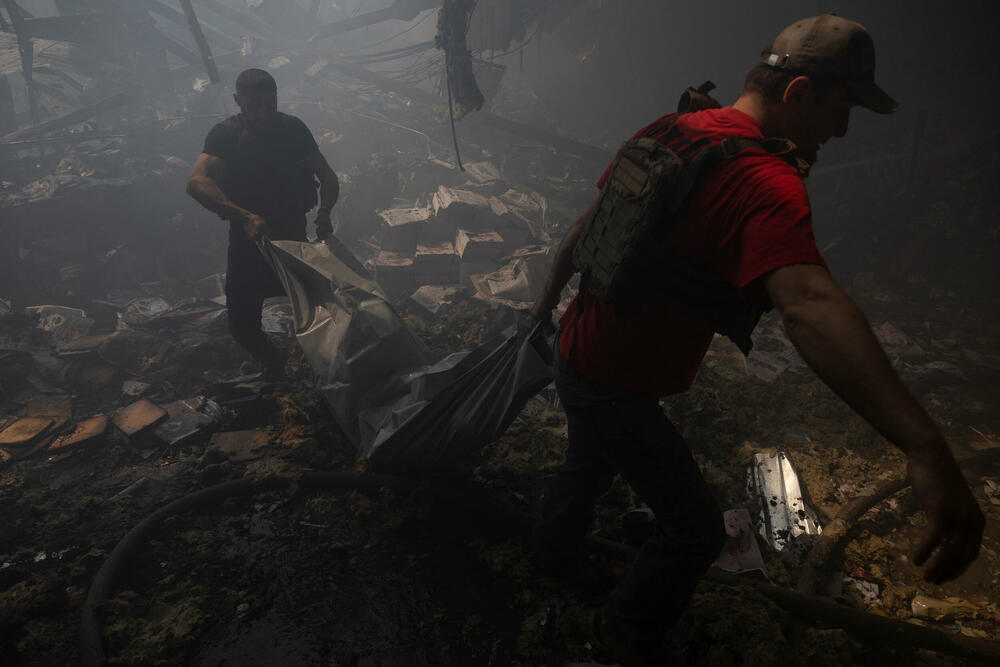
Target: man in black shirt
(258,170)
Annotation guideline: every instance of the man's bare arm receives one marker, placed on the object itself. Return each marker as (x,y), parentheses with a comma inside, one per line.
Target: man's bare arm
(203,187)
(562,265)
(329,184)
(329,191)
(835,339)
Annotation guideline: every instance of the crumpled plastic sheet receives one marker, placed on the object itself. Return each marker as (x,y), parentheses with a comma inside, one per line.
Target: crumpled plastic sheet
(400,411)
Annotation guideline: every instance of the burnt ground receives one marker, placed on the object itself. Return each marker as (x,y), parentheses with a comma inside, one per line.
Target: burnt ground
(411,577)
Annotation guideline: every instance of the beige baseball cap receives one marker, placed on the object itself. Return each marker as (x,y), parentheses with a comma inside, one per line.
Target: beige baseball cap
(830,45)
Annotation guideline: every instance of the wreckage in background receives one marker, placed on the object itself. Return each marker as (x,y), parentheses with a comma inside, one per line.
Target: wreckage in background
(93,136)
(97,55)
(121,94)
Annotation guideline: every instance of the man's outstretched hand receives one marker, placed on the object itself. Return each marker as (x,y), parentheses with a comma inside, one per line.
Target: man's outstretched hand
(955,523)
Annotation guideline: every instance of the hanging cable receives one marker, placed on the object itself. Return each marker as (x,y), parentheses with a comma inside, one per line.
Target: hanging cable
(451,114)
(401,52)
(423,70)
(386,56)
(387,39)
(427,140)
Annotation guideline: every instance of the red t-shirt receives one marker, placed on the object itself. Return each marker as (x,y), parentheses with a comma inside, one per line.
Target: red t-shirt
(750,215)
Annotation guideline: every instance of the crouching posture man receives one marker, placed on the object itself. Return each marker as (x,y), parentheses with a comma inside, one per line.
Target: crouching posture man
(739,242)
(258,170)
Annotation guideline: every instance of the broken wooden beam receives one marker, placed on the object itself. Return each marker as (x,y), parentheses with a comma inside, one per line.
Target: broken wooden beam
(8,119)
(74,117)
(61,28)
(92,30)
(199,39)
(27,51)
(162,9)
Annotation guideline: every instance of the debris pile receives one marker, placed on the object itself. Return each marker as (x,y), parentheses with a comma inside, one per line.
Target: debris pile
(478,234)
(78,379)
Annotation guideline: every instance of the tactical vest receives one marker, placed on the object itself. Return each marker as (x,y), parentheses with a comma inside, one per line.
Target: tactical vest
(620,253)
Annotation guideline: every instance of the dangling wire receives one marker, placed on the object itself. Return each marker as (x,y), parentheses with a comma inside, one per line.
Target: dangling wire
(444,42)
(451,114)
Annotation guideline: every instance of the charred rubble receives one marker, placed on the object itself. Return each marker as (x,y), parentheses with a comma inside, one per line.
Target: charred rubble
(121,391)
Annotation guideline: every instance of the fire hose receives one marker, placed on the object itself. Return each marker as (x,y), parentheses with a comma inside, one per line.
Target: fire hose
(859,623)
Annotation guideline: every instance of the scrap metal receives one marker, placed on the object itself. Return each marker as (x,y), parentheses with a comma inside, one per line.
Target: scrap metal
(199,38)
(453,24)
(27,51)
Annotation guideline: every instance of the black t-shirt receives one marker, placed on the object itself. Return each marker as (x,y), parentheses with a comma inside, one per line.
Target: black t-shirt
(266,171)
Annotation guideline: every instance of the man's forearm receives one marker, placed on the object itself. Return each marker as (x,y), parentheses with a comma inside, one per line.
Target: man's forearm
(835,339)
(329,190)
(562,263)
(207,193)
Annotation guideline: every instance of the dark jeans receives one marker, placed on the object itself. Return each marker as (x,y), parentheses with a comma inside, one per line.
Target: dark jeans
(250,280)
(617,431)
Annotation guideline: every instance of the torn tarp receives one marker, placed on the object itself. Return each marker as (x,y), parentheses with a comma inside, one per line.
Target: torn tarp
(399,410)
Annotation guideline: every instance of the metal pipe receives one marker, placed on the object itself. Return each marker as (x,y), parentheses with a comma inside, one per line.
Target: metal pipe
(199,38)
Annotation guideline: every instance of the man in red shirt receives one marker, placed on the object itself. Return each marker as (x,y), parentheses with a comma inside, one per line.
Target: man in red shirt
(749,222)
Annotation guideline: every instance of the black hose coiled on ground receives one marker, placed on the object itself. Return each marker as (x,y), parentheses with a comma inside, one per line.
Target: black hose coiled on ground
(91,627)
